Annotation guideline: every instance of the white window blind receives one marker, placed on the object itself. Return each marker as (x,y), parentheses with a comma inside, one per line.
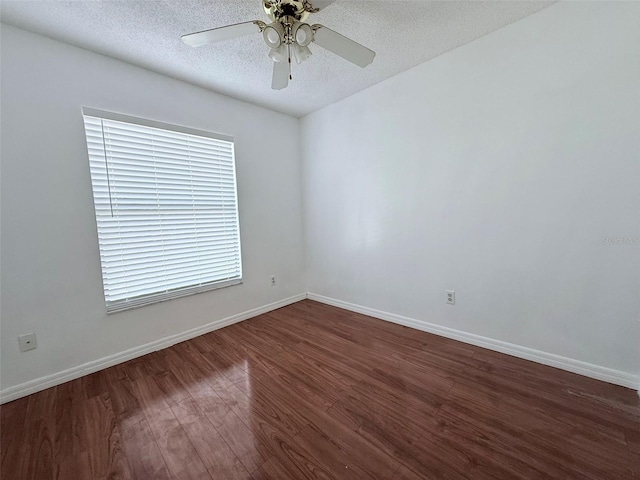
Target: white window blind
(166,209)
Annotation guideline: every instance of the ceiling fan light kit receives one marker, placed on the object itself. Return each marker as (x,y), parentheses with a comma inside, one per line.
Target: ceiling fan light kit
(288,34)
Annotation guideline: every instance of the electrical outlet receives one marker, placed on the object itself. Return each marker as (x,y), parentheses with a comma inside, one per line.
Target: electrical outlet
(451,297)
(273,280)
(27,342)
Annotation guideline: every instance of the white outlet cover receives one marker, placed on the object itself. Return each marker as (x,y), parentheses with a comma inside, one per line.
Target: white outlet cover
(451,297)
(27,342)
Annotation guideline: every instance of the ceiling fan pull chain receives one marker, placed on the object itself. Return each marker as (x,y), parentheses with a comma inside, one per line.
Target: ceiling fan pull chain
(289,55)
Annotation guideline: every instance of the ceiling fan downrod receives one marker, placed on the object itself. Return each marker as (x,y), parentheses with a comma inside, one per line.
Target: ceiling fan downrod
(298,9)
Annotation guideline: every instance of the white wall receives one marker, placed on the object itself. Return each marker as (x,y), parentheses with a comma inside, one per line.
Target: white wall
(51,280)
(494,170)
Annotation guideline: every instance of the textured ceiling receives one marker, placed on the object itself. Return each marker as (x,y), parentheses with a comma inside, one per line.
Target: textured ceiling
(147,33)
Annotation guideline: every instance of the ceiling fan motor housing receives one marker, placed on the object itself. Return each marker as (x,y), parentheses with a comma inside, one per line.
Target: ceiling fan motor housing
(298,9)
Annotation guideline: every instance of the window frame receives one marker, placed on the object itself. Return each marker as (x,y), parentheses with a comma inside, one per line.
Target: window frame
(152,298)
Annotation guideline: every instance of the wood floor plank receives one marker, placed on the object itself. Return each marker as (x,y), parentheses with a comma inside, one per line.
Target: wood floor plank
(13,417)
(245,444)
(404,473)
(197,379)
(251,342)
(360,460)
(223,404)
(171,387)
(524,454)
(325,437)
(310,391)
(288,451)
(296,362)
(38,438)
(71,452)
(134,369)
(264,326)
(178,452)
(142,452)
(380,426)
(275,469)
(570,405)
(632,437)
(107,460)
(434,457)
(298,380)
(124,402)
(36,460)
(95,384)
(210,445)
(522,414)
(216,377)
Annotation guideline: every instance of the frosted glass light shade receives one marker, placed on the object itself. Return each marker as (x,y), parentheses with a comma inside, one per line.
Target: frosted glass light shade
(272,34)
(279,54)
(301,53)
(303,34)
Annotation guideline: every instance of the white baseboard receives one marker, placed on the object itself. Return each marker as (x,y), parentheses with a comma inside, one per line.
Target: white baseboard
(576,366)
(52,380)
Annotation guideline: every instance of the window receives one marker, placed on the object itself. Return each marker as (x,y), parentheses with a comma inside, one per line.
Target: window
(166,209)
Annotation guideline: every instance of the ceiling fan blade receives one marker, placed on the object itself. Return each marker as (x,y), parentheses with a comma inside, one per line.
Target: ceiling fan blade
(343,46)
(221,33)
(280,77)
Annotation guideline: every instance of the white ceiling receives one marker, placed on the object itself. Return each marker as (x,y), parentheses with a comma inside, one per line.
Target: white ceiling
(147,33)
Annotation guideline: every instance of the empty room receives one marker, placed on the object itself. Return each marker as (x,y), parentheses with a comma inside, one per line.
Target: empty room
(315,239)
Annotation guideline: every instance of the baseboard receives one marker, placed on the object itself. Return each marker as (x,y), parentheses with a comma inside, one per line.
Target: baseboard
(54,379)
(550,359)
(576,366)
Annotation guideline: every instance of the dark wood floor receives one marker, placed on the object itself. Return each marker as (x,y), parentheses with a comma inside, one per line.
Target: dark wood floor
(314,392)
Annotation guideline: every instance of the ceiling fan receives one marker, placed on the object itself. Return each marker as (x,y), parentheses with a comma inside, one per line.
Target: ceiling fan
(286,34)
